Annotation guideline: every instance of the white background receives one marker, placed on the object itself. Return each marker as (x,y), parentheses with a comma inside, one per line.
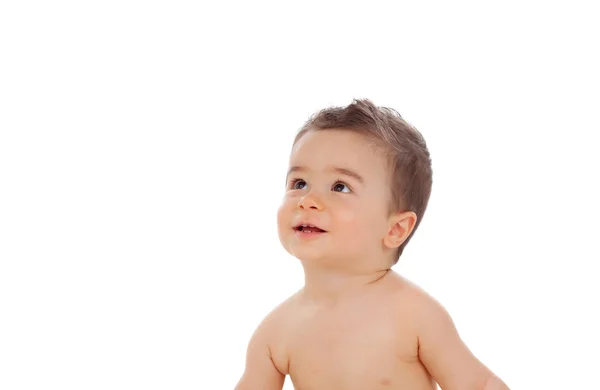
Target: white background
(143,151)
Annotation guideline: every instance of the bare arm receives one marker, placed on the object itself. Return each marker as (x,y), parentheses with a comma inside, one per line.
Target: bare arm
(260,372)
(445,355)
(495,383)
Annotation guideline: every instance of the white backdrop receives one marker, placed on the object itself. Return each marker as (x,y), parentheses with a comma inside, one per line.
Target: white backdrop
(143,151)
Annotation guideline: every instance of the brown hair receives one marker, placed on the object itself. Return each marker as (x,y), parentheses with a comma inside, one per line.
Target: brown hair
(410,162)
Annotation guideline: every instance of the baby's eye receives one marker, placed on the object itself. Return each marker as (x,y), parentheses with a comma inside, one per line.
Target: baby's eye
(341,187)
(297,184)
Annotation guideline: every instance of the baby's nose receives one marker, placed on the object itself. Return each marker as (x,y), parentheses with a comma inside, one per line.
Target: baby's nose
(310,201)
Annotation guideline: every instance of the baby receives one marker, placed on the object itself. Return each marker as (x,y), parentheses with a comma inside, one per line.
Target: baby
(357,187)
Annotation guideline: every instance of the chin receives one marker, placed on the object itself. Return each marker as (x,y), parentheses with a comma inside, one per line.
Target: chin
(307,254)
(310,257)
(313,256)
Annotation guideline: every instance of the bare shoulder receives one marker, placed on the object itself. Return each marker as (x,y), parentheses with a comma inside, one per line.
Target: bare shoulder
(274,331)
(415,305)
(273,319)
(410,296)
(440,348)
(425,308)
(412,293)
(400,304)
(272,327)
(266,365)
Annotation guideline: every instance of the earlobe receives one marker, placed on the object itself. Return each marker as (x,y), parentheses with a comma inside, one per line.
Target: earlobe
(401,225)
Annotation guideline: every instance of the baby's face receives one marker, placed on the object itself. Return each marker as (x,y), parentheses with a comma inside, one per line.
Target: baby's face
(337,182)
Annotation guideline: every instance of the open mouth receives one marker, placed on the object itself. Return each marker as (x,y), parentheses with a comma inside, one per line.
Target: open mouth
(306,228)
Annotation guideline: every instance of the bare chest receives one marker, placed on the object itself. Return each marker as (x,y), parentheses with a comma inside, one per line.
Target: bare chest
(359,348)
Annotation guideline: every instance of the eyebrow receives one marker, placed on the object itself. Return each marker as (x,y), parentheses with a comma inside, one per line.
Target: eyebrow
(341,171)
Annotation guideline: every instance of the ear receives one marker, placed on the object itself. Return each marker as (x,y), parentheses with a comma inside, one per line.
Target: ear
(400,226)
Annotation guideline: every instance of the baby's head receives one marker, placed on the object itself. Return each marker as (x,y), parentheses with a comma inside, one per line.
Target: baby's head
(362,176)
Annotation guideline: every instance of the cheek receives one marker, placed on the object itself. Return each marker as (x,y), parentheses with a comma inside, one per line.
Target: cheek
(351,222)
(362,222)
(281,224)
(352,212)
(347,216)
(281,214)
(284,213)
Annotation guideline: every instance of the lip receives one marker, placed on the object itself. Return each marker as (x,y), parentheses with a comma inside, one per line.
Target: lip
(308,236)
(308,223)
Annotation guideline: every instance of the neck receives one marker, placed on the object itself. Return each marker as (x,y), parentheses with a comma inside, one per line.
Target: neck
(328,286)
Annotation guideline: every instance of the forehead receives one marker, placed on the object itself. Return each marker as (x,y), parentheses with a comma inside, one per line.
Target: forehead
(319,149)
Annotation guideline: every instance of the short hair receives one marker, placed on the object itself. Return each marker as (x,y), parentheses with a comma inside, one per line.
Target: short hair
(409,160)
